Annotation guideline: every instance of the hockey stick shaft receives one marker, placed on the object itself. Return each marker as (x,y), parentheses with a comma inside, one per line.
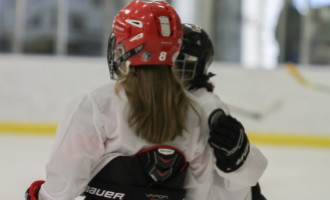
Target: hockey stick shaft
(245,112)
(292,68)
(295,73)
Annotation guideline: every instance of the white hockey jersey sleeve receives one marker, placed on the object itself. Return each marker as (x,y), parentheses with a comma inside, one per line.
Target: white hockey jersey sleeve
(248,174)
(235,185)
(78,146)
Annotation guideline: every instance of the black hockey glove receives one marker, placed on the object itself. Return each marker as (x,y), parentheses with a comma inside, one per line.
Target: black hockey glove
(228,140)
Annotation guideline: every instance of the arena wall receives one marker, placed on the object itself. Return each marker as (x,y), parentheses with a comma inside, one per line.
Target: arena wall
(34,91)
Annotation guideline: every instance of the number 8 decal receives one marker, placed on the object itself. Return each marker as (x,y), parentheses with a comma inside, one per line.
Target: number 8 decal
(162,56)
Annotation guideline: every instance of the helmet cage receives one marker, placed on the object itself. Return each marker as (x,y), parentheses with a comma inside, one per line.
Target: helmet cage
(187,66)
(113,66)
(112,53)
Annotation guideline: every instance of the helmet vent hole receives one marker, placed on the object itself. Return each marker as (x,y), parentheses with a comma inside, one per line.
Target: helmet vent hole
(135,23)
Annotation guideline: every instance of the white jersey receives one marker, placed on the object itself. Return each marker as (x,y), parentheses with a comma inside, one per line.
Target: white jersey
(235,185)
(94,130)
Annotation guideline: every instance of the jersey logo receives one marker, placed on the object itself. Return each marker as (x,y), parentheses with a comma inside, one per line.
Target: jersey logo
(104,193)
(156,196)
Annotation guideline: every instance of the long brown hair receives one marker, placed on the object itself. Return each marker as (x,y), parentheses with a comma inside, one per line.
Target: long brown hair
(158,102)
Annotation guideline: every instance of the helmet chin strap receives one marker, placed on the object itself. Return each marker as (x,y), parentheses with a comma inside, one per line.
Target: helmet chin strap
(114,64)
(129,54)
(127,64)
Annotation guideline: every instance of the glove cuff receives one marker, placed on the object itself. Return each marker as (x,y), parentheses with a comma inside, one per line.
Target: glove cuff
(234,162)
(33,191)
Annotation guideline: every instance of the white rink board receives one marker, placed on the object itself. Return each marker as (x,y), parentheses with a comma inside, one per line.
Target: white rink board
(38,88)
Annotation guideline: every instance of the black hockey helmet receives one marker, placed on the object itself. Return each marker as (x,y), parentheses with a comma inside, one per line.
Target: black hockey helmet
(196,55)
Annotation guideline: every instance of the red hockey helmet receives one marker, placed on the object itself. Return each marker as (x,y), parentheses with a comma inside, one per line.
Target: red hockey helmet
(145,33)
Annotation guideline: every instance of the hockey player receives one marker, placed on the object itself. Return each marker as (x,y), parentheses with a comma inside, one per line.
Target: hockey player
(141,137)
(239,163)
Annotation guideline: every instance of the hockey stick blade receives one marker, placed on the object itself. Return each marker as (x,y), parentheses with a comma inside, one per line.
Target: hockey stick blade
(292,68)
(245,112)
(257,115)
